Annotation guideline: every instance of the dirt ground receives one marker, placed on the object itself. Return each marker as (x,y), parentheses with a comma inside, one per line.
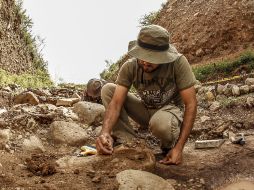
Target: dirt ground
(201,168)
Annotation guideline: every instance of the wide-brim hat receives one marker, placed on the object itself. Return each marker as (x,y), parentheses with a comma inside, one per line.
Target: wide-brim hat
(94,86)
(153,46)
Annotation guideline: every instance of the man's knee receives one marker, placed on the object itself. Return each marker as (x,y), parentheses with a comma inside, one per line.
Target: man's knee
(165,126)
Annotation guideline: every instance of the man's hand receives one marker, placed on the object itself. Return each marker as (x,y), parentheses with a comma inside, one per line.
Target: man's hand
(104,144)
(174,157)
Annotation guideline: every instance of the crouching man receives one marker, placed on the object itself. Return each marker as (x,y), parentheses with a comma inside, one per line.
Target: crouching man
(165,83)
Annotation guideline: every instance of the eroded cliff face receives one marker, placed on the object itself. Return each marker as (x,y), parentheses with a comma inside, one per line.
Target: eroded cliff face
(15,56)
(204,30)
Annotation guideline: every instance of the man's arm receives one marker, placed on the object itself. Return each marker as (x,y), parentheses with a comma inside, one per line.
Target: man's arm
(104,143)
(189,98)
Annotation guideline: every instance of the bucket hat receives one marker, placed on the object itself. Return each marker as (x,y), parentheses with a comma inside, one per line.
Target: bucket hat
(94,86)
(152,45)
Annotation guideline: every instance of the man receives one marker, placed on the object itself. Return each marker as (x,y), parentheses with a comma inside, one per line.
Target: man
(164,80)
(92,93)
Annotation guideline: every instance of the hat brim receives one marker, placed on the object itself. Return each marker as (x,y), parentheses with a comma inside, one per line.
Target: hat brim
(153,56)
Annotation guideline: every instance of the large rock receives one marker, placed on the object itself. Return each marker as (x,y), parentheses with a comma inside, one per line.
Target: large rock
(135,179)
(89,113)
(68,133)
(33,144)
(26,97)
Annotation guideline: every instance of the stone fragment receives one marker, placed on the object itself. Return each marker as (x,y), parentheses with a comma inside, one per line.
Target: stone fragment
(67,101)
(89,113)
(220,89)
(209,96)
(209,143)
(197,87)
(204,118)
(200,52)
(136,179)
(73,162)
(2,110)
(249,81)
(244,89)
(235,90)
(33,145)
(251,88)
(215,106)
(227,90)
(26,97)
(4,137)
(76,95)
(68,133)
(250,102)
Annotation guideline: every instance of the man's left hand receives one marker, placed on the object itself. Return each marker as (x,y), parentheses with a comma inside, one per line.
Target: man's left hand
(174,157)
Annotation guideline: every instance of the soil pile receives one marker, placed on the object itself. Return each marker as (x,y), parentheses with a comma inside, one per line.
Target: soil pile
(204,30)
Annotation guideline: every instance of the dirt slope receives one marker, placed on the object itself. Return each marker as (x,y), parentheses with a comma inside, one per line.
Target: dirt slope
(15,56)
(207,29)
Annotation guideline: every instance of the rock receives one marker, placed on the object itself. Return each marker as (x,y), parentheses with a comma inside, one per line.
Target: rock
(204,118)
(75,95)
(215,106)
(33,144)
(250,102)
(68,133)
(74,162)
(4,137)
(235,90)
(88,112)
(251,88)
(67,101)
(209,143)
(2,110)
(196,14)
(221,97)
(97,130)
(209,96)
(202,181)
(249,81)
(26,97)
(200,52)
(220,89)
(197,87)
(67,113)
(135,179)
(227,90)
(244,89)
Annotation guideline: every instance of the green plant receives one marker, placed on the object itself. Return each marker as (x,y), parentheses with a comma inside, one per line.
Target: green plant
(225,68)
(34,44)
(148,19)
(109,74)
(37,80)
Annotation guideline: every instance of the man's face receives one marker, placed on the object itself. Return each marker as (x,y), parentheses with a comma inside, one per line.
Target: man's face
(147,67)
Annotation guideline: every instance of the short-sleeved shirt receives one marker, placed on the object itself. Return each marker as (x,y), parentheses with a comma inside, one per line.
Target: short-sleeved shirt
(161,86)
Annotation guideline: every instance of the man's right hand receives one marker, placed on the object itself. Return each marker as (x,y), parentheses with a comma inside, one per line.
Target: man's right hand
(104,144)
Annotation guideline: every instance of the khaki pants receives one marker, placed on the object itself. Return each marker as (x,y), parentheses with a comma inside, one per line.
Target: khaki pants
(164,123)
